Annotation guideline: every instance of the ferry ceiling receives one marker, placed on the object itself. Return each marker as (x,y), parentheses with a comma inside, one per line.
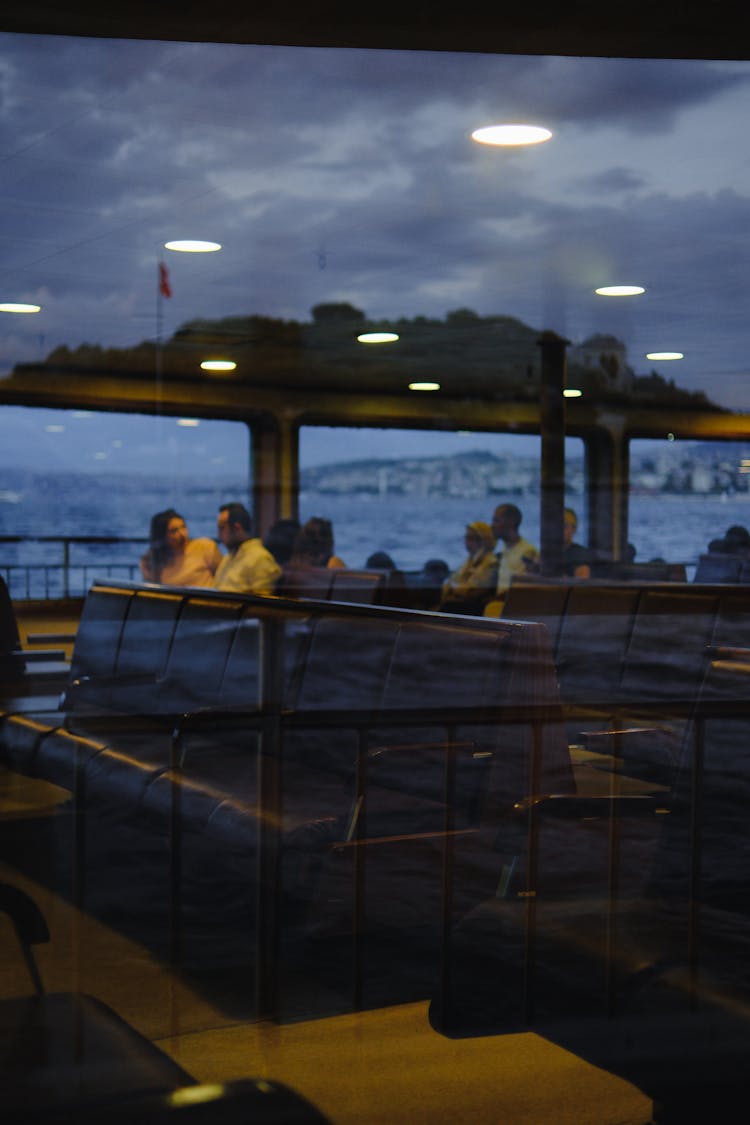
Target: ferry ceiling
(348,196)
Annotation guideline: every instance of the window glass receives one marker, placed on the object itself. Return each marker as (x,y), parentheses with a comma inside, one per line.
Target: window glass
(70,476)
(411,493)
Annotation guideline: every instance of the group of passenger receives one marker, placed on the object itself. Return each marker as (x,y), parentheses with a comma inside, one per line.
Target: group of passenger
(482,581)
(250,565)
(736,541)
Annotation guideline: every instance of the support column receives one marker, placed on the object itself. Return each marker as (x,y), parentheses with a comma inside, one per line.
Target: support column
(552,415)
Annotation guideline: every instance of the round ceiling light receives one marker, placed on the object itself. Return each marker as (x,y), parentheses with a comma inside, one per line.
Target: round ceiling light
(14,307)
(218,365)
(664,355)
(511,135)
(620,290)
(377,337)
(572,392)
(424,386)
(192,246)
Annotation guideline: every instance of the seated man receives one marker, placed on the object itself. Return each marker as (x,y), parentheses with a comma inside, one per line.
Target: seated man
(248,568)
(517,557)
(469,588)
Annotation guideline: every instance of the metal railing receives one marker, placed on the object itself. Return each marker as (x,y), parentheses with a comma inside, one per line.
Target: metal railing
(64,566)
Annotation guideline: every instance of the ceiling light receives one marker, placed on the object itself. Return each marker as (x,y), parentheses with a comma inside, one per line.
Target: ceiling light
(188,422)
(218,365)
(424,386)
(510,135)
(192,246)
(620,290)
(664,355)
(13,307)
(377,337)
(572,392)
(54,429)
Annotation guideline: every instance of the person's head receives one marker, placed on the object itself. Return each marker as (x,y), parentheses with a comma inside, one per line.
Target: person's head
(570,526)
(379,560)
(506,522)
(280,540)
(313,545)
(737,538)
(479,536)
(168,534)
(234,524)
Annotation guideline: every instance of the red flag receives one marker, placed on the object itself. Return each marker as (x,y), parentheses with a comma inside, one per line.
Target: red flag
(164,287)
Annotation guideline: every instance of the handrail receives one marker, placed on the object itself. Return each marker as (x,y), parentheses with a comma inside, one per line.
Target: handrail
(79,560)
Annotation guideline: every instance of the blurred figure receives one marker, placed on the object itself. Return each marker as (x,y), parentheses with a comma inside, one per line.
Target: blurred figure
(380,560)
(518,556)
(173,558)
(576,559)
(248,568)
(280,540)
(469,588)
(313,546)
(736,541)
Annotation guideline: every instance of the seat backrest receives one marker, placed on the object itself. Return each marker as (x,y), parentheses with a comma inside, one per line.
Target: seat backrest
(11,664)
(145,645)
(97,644)
(716,567)
(594,638)
(538,601)
(197,659)
(306,582)
(732,627)
(365,587)
(666,656)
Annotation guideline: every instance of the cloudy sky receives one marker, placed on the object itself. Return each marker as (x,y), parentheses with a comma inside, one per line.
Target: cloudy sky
(337,175)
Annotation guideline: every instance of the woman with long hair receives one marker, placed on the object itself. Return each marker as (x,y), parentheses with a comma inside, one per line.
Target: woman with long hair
(173,558)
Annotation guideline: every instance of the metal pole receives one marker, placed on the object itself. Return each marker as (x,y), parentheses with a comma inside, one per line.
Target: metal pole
(552,413)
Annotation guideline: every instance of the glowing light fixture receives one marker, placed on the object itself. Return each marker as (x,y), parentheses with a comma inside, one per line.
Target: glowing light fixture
(192,246)
(188,422)
(620,290)
(664,355)
(424,386)
(14,307)
(377,337)
(572,392)
(511,135)
(218,365)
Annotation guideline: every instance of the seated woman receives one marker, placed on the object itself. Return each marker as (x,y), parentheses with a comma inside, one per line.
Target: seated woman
(313,546)
(576,559)
(173,558)
(469,587)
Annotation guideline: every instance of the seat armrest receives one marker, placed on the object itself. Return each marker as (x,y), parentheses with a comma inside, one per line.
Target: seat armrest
(565,806)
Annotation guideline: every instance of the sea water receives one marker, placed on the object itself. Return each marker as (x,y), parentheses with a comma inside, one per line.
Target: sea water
(411,529)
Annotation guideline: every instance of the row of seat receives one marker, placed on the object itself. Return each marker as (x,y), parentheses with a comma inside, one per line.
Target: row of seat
(350,711)
(619,642)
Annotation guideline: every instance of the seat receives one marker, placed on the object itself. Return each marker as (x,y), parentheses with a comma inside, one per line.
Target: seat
(650,981)
(49,666)
(68,1057)
(715,567)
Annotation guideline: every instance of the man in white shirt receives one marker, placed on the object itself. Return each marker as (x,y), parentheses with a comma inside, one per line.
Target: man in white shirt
(518,556)
(247,568)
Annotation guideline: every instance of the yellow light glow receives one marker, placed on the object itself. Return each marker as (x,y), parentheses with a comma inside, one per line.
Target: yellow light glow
(218,365)
(377,337)
(620,290)
(14,307)
(192,246)
(664,355)
(511,135)
(572,392)
(188,422)
(424,386)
